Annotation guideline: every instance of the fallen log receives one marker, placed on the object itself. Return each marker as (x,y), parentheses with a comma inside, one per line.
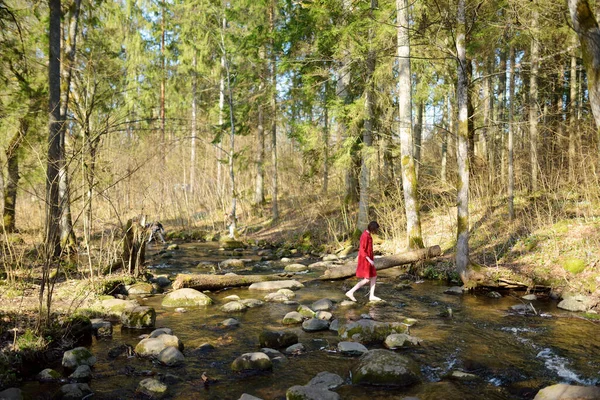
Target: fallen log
(349,269)
(215,282)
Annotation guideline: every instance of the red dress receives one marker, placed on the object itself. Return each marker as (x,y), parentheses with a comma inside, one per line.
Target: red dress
(364,268)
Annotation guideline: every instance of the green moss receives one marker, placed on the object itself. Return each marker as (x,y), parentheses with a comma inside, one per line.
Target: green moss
(592,316)
(573,265)
(561,227)
(29,340)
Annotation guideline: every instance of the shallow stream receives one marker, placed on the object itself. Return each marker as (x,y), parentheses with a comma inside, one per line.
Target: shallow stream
(513,355)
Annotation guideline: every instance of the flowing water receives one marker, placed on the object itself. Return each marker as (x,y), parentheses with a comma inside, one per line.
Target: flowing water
(513,355)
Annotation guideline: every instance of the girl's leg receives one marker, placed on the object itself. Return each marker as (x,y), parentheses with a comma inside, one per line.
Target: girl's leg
(350,293)
(372,296)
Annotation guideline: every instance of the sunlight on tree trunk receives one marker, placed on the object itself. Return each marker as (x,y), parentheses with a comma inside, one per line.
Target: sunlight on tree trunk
(409,176)
(533,102)
(462,242)
(511,133)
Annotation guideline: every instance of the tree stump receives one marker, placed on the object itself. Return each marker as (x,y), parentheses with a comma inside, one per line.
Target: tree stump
(134,245)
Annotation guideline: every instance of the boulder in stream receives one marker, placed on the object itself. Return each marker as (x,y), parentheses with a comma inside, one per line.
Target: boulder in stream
(322,305)
(74,391)
(186,297)
(76,357)
(295,349)
(234,306)
(117,306)
(256,361)
(277,339)
(292,318)
(138,317)
(369,331)
(252,303)
(48,375)
(309,392)
(82,374)
(386,368)
(160,331)
(151,347)
(246,396)
(140,289)
(306,311)
(576,303)
(398,340)
(232,263)
(315,324)
(152,388)
(563,391)
(171,357)
(101,328)
(11,394)
(351,348)
(295,268)
(326,315)
(327,380)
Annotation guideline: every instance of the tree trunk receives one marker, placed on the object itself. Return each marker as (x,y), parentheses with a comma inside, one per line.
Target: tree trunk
(259,191)
(67,235)
(444,150)
(194,125)
(418,142)
(533,102)
(462,156)
(55,151)
(409,175)
(363,199)
(134,246)
(349,269)
(572,106)
(12,175)
(325,141)
(511,128)
(586,26)
(216,282)
(274,203)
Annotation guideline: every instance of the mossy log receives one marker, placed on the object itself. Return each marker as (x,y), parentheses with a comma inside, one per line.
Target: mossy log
(216,282)
(349,269)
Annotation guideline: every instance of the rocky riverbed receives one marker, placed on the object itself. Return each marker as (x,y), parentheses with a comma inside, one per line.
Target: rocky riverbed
(300,338)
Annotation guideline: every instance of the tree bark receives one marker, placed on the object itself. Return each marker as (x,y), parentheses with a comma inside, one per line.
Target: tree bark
(572,106)
(367,143)
(67,235)
(586,26)
(409,175)
(349,269)
(55,151)
(194,125)
(533,102)
(511,134)
(274,203)
(216,282)
(462,156)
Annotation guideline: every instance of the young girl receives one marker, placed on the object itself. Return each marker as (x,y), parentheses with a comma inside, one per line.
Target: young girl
(366,266)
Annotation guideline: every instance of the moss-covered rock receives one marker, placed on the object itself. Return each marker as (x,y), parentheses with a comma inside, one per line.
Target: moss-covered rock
(277,339)
(386,368)
(257,361)
(369,331)
(152,388)
(48,375)
(140,289)
(139,317)
(186,297)
(78,356)
(573,265)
